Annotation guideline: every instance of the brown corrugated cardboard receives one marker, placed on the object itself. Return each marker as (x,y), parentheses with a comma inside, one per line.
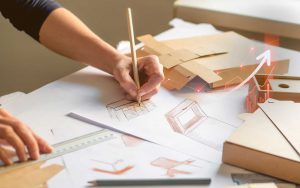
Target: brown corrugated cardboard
(32,175)
(211,63)
(285,116)
(264,86)
(258,146)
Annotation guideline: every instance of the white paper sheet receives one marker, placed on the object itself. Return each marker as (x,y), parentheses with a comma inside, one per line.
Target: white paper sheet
(128,157)
(153,121)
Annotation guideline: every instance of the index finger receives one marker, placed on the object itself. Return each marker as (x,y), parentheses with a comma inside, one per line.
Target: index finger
(13,139)
(4,113)
(25,134)
(152,83)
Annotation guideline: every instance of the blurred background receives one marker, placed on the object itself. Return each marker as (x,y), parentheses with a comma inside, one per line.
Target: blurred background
(25,65)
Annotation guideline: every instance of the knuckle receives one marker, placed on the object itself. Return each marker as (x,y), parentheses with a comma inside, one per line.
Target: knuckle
(152,59)
(155,91)
(7,130)
(16,123)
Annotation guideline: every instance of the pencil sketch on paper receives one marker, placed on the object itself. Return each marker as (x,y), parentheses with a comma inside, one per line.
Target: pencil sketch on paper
(188,118)
(118,167)
(173,167)
(126,110)
(131,141)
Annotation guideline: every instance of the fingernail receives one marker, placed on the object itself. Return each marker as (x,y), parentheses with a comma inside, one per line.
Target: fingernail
(36,155)
(47,149)
(50,149)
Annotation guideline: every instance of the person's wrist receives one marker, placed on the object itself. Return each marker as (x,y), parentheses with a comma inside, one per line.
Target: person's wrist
(122,62)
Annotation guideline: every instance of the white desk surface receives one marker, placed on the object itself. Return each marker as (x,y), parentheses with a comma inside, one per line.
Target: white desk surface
(278,17)
(50,104)
(276,10)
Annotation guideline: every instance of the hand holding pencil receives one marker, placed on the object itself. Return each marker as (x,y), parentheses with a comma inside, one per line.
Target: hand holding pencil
(146,68)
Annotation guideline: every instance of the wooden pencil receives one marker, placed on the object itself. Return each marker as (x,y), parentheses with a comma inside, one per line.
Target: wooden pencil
(133,53)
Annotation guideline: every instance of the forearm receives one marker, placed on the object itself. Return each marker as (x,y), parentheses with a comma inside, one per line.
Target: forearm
(65,34)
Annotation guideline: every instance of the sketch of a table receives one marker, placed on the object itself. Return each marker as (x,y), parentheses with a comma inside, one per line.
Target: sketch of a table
(189,119)
(126,110)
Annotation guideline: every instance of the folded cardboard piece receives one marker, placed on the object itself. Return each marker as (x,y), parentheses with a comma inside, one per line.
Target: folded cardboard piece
(263,86)
(32,175)
(221,60)
(268,142)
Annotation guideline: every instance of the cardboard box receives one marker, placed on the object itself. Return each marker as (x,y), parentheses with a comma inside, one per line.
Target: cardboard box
(268,142)
(263,87)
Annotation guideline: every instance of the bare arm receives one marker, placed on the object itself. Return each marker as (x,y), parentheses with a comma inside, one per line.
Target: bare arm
(65,34)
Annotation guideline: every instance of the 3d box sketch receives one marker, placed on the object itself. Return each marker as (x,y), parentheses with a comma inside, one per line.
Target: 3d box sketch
(126,110)
(189,119)
(185,116)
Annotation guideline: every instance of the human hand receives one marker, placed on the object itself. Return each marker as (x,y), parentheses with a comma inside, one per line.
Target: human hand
(17,135)
(150,72)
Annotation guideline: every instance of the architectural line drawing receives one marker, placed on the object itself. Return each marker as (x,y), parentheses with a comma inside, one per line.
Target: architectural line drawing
(126,110)
(188,118)
(131,141)
(115,168)
(170,166)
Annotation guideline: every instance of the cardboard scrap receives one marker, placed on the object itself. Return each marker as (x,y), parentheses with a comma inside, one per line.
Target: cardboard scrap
(29,176)
(220,60)
(259,146)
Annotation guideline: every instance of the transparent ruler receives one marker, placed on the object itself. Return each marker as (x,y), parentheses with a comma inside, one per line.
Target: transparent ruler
(69,146)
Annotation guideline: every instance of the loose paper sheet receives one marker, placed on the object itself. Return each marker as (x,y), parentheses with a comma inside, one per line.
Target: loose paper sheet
(127,157)
(173,121)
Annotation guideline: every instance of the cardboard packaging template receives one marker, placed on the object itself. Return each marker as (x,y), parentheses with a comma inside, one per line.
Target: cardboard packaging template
(221,60)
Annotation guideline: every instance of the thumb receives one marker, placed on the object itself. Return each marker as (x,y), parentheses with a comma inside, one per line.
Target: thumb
(126,82)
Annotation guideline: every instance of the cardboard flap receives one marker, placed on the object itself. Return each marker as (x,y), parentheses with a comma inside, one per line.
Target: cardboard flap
(170,57)
(235,76)
(285,116)
(154,45)
(169,61)
(203,72)
(207,50)
(176,79)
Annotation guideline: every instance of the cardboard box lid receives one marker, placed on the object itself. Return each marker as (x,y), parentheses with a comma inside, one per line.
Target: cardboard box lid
(259,133)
